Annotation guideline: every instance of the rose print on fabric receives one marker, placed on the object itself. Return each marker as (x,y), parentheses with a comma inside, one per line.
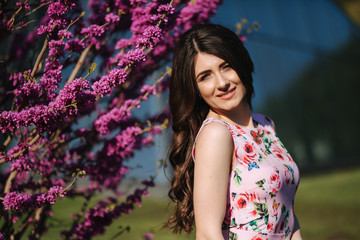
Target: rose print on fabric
(246,210)
(259,238)
(262,184)
(249,157)
(288,172)
(241,203)
(283,221)
(245,198)
(240,131)
(279,152)
(272,185)
(256,137)
(249,149)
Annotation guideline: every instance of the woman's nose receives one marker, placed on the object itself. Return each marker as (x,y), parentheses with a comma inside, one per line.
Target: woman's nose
(222,82)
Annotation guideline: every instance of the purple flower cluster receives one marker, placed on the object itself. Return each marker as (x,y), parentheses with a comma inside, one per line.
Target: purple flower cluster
(116,115)
(56,48)
(124,143)
(22,164)
(166,8)
(47,117)
(24,5)
(74,45)
(73,93)
(122,43)
(23,202)
(56,9)
(65,34)
(9,121)
(163,9)
(106,83)
(148,236)
(197,12)
(57,15)
(103,214)
(27,94)
(137,2)
(52,73)
(148,89)
(132,56)
(93,30)
(112,18)
(152,35)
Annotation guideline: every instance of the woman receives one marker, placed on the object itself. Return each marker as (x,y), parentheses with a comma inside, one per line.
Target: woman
(232,175)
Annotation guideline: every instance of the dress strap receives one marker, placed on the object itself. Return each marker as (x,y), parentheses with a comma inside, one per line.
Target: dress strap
(207,121)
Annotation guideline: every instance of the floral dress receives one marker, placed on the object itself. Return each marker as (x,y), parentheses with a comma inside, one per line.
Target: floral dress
(262,184)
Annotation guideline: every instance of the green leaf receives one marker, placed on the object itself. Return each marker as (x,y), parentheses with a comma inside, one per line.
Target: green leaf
(261,183)
(237,177)
(266,219)
(168,69)
(261,208)
(92,68)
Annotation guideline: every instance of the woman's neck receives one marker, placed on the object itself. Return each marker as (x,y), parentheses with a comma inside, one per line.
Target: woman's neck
(241,117)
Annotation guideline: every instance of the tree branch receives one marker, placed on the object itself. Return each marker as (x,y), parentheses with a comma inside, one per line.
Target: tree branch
(41,54)
(9,181)
(79,64)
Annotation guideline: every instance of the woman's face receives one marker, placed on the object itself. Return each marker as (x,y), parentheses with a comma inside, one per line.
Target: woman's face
(218,83)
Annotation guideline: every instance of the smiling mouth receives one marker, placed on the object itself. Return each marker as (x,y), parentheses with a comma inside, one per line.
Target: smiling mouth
(227,95)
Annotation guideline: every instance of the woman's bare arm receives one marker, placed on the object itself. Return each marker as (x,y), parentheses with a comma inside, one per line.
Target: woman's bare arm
(213,154)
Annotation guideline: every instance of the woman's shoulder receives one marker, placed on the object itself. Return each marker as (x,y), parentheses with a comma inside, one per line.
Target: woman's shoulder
(214,132)
(214,128)
(214,139)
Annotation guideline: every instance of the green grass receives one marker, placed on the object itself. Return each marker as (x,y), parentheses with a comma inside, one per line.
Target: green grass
(327,206)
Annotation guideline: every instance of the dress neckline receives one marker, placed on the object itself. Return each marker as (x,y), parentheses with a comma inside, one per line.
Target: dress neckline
(257,124)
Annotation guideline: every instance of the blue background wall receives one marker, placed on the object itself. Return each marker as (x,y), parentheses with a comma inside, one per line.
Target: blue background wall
(293,38)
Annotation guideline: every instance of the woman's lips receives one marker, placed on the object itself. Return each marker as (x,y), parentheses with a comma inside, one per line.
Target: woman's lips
(227,95)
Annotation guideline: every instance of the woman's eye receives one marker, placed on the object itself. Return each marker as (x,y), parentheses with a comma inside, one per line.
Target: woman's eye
(227,66)
(203,77)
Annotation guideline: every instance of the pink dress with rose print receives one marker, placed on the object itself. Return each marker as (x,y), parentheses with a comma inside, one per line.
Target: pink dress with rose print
(262,184)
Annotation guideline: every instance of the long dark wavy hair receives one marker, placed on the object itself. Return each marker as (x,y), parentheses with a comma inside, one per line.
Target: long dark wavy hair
(189,110)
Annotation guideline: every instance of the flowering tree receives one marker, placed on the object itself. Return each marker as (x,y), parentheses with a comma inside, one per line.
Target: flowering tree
(70,80)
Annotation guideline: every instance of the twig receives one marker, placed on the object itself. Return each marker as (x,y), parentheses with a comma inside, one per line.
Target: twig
(41,54)
(9,181)
(80,172)
(24,149)
(12,19)
(35,9)
(154,85)
(162,126)
(79,64)
(72,22)
(19,27)
(7,141)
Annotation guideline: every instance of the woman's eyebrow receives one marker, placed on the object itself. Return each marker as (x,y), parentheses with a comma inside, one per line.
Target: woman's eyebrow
(223,64)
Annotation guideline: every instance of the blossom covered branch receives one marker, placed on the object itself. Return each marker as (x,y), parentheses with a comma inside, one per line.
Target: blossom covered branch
(74,81)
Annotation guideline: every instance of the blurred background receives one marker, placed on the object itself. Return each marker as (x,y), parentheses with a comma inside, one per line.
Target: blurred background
(307,79)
